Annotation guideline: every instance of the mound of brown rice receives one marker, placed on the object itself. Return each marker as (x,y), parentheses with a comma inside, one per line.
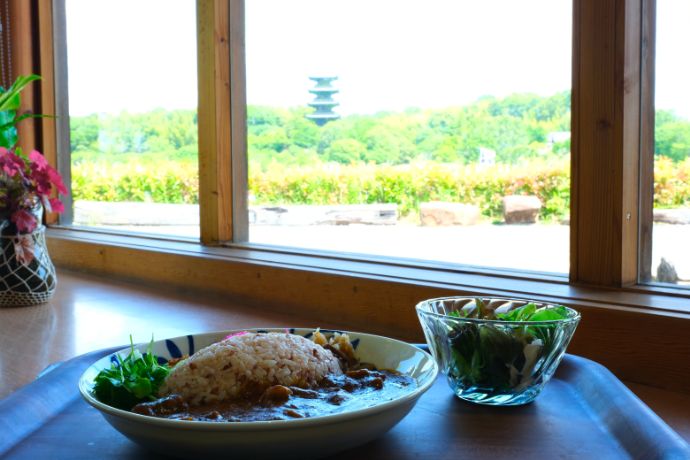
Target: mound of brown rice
(249,362)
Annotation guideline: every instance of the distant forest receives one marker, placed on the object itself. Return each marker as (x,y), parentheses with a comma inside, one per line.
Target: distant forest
(518,127)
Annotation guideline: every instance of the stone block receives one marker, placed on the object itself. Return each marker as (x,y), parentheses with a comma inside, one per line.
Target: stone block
(678,216)
(521,209)
(441,213)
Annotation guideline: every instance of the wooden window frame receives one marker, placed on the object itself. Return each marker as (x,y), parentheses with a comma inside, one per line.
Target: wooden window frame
(638,331)
(647,120)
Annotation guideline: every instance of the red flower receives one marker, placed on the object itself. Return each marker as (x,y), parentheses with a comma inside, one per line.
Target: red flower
(56,205)
(27,181)
(25,221)
(56,179)
(42,180)
(38,159)
(11,164)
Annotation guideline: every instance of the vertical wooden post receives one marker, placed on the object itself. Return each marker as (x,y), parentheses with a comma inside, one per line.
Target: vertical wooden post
(47,126)
(23,63)
(215,187)
(606,139)
(60,97)
(647,138)
(238,126)
(48,134)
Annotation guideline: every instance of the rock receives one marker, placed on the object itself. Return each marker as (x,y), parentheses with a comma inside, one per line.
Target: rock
(266,215)
(442,214)
(679,216)
(135,213)
(368,214)
(666,272)
(519,209)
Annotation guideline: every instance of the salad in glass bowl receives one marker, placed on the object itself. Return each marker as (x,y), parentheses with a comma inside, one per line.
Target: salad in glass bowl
(497,351)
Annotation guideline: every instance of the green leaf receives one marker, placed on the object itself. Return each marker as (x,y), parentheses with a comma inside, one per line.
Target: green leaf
(130,380)
(22,117)
(550,314)
(141,388)
(483,355)
(480,307)
(8,131)
(10,100)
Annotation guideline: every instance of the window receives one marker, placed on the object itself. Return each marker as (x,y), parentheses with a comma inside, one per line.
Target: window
(247,133)
(405,132)
(132,115)
(670,258)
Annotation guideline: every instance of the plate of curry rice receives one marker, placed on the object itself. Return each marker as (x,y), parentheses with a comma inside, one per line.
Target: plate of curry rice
(264,393)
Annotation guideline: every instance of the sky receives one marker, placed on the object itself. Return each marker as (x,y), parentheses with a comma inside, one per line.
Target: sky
(137,55)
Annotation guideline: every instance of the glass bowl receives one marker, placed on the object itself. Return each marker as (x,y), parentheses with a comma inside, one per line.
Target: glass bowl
(496,351)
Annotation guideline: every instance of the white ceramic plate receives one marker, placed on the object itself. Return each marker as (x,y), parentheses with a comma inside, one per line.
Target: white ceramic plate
(301,438)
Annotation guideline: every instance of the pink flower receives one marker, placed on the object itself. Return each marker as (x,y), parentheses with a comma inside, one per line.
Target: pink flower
(24,249)
(11,164)
(42,179)
(25,221)
(56,205)
(25,183)
(56,179)
(38,159)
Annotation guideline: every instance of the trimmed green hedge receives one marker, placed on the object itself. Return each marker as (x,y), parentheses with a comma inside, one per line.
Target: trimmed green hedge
(410,185)
(160,182)
(406,185)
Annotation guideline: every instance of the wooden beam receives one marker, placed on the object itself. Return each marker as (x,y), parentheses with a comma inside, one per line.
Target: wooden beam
(647,138)
(606,136)
(215,188)
(238,125)
(23,63)
(61,102)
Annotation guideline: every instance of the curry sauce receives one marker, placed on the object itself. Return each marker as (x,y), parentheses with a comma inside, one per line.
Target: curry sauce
(353,390)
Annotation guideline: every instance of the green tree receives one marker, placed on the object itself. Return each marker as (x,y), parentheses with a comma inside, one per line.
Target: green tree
(84,133)
(672,140)
(301,131)
(346,151)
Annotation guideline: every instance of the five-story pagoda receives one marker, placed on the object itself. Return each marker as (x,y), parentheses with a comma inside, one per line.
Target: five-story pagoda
(323,103)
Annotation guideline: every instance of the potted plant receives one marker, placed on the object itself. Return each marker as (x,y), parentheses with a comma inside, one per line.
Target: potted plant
(28,185)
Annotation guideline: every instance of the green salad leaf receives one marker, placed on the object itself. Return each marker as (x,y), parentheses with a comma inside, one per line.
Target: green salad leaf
(131,380)
(528,312)
(501,357)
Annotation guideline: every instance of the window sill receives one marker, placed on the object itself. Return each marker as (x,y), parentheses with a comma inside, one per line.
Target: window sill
(639,334)
(547,287)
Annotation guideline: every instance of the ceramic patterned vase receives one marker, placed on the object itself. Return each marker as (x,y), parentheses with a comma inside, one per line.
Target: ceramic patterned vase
(27,275)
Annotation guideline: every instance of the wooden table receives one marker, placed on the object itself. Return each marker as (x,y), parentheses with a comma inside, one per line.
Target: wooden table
(90,313)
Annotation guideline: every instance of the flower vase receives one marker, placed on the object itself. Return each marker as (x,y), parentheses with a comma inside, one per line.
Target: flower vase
(27,275)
